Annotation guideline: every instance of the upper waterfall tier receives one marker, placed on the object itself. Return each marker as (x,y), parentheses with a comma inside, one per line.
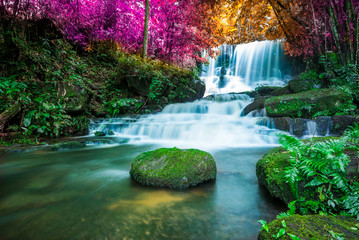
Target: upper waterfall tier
(243,67)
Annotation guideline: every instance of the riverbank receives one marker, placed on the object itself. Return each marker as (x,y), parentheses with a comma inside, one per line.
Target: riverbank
(319,179)
(50,88)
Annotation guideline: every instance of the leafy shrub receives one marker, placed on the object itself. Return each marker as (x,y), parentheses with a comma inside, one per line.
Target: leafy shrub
(322,166)
(48,119)
(11,91)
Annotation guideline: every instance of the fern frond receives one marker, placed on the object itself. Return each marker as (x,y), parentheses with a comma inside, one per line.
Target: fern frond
(352,134)
(290,143)
(282,215)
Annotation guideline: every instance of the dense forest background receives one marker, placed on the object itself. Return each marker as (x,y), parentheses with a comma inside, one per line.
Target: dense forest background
(63,61)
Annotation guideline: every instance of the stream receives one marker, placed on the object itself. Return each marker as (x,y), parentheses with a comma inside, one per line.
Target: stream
(88,193)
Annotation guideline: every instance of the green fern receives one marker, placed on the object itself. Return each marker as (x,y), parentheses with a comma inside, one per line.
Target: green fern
(352,134)
(323,166)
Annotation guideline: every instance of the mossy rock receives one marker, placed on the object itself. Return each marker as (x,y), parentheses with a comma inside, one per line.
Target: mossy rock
(270,173)
(300,85)
(341,123)
(100,134)
(266,90)
(282,91)
(323,102)
(173,168)
(313,227)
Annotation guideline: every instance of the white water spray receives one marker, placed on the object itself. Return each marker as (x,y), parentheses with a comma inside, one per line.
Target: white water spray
(218,122)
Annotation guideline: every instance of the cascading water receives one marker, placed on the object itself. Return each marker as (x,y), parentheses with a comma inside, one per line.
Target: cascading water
(217,121)
(243,67)
(202,124)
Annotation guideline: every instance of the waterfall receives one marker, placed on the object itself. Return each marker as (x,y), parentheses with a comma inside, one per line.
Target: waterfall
(203,123)
(217,120)
(243,67)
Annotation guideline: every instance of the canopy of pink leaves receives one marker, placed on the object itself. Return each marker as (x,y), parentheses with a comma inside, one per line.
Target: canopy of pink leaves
(176,32)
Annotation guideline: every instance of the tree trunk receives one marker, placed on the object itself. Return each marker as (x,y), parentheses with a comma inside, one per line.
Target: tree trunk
(335,31)
(145,30)
(8,114)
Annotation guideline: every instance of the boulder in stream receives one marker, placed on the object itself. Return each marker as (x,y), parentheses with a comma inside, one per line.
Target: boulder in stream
(173,168)
(323,102)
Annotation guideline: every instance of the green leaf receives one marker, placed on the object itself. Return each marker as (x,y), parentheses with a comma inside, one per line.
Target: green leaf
(281,232)
(46,106)
(318,180)
(27,122)
(46,115)
(294,237)
(284,224)
(264,225)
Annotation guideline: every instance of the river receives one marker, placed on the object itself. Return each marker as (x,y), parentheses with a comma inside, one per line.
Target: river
(88,193)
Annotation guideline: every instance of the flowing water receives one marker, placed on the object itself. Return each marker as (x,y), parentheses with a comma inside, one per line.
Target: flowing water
(88,193)
(244,67)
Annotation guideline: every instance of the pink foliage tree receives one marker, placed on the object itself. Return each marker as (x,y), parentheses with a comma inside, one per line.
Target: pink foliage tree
(175,33)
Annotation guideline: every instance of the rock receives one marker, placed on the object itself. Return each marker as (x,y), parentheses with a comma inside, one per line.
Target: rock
(299,127)
(270,174)
(300,85)
(173,168)
(313,227)
(257,104)
(341,123)
(281,91)
(283,123)
(324,124)
(194,90)
(110,132)
(270,171)
(100,134)
(325,102)
(266,90)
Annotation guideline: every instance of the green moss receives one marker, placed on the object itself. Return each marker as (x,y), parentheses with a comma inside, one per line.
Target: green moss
(100,134)
(308,104)
(173,168)
(270,172)
(313,227)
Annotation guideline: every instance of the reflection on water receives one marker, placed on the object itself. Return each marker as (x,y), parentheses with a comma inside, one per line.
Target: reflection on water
(89,195)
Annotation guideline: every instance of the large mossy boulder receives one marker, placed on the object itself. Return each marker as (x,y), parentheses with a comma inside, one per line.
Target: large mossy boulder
(313,227)
(270,170)
(270,174)
(173,168)
(322,102)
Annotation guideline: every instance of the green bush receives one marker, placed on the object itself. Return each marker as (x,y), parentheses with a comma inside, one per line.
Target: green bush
(322,166)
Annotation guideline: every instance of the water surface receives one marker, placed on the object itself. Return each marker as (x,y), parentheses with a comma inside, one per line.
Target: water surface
(88,194)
